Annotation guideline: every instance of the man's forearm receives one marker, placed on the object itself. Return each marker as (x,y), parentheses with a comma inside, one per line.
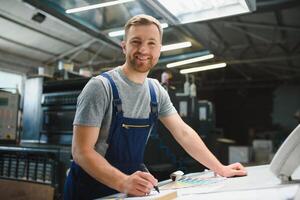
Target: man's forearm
(98,167)
(195,147)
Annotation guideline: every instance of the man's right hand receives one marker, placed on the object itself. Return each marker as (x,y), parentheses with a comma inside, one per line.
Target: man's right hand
(138,184)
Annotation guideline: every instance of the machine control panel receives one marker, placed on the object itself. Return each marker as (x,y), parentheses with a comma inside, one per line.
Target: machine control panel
(60,98)
(9,105)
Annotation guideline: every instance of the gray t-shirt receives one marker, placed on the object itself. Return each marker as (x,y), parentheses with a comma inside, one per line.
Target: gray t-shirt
(94,104)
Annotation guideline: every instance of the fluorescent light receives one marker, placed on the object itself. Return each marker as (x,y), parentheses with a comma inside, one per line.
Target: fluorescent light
(122,32)
(175,46)
(188,61)
(164,25)
(99,5)
(116,33)
(202,68)
(199,10)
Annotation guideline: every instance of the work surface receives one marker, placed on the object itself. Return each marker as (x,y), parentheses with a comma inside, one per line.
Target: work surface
(260,183)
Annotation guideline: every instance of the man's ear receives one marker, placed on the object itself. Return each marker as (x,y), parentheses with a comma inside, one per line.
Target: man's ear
(123,45)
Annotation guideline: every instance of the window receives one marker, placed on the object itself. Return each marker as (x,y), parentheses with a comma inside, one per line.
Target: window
(10,82)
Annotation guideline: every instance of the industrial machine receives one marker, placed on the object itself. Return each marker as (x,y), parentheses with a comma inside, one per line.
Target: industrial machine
(9,107)
(43,154)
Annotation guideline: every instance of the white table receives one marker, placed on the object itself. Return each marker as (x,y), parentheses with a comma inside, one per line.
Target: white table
(260,183)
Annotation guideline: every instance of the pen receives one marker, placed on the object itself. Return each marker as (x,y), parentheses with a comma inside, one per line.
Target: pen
(144,168)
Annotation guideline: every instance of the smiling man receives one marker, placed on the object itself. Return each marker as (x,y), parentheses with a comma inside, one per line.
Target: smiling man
(142,51)
(115,114)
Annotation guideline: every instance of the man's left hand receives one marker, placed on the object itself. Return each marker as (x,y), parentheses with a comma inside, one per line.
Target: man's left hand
(235,169)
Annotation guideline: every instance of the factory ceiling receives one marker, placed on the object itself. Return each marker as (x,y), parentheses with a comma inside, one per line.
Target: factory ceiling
(259,47)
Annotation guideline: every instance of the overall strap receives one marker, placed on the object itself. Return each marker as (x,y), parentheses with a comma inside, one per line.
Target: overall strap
(116,98)
(153,103)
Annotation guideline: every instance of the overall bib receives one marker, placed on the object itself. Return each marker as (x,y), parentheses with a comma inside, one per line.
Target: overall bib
(127,140)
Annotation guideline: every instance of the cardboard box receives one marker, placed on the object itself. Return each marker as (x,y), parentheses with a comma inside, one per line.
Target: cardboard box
(21,190)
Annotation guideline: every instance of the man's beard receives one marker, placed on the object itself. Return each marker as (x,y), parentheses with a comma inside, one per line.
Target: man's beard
(142,68)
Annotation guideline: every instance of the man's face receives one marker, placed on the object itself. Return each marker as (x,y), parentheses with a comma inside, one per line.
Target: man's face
(142,47)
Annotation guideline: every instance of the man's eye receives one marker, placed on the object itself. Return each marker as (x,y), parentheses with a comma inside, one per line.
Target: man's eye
(135,42)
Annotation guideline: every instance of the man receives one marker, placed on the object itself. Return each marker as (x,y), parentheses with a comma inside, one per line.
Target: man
(115,115)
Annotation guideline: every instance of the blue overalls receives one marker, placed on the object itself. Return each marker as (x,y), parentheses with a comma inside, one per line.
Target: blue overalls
(127,140)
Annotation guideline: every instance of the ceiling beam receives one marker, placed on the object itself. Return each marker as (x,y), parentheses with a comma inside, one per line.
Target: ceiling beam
(249,37)
(71,51)
(41,32)
(242,46)
(283,35)
(27,46)
(50,8)
(13,68)
(244,51)
(100,50)
(292,69)
(270,72)
(17,63)
(253,35)
(35,30)
(269,59)
(264,26)
(155,6)
(267,5)
(241,72)
(219,36)
(23,60)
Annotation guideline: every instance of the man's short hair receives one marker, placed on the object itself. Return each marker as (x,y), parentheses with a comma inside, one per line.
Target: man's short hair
(142,19)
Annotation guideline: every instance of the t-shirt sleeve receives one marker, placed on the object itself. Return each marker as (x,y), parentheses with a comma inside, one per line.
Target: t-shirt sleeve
(92,104)
(165,106)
